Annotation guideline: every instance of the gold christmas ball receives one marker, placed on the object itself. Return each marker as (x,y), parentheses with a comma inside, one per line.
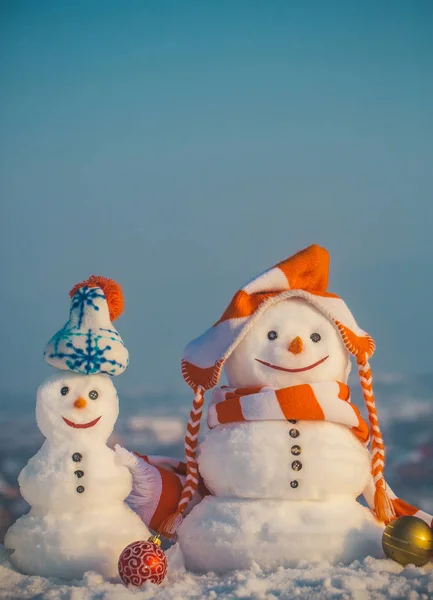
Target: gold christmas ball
(408,540)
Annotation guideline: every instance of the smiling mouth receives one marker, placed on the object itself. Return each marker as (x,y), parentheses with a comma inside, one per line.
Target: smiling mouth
(316,364)
(80,425)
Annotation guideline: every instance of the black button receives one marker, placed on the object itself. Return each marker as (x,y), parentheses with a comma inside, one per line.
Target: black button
(80,489)
(77,457)
(296,465)
(294,484)
(79,474)
(296,450)
(294,433)
(294,421)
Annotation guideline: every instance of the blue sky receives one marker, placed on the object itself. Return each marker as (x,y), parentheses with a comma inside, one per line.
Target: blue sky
(183,147)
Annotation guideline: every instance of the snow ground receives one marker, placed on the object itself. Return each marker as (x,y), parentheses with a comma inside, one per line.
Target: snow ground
(370,579)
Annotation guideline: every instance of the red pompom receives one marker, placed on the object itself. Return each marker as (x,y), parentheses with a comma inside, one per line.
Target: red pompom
(112,291)
(141,562)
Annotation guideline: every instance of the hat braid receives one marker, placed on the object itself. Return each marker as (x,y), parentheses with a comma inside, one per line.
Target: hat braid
(169,526)
(382,504)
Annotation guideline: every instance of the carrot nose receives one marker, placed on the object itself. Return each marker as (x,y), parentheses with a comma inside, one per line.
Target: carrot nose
(296,345)
(80,403)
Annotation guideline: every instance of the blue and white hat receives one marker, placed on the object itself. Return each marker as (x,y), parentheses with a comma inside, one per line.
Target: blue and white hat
(89,343)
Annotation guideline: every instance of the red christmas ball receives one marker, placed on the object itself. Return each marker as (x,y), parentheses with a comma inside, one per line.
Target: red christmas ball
(141,562)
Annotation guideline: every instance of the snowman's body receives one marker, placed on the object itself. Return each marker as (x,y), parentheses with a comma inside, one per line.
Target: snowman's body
(75,486)
(48,482)
(281,491)
(254,460)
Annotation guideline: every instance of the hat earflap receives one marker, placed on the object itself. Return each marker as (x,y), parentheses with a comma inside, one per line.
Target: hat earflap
(383,507)
(170,524)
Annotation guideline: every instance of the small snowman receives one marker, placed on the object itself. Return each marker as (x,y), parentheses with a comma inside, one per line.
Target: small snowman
(287,452)
(76,485)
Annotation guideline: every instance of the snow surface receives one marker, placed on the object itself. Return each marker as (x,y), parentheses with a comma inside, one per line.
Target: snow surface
(370,579)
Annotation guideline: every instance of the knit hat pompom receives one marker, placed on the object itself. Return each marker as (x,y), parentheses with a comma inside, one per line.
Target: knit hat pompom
(112,291)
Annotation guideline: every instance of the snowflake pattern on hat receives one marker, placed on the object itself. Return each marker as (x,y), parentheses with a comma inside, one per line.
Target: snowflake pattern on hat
(88,343)
(85,296)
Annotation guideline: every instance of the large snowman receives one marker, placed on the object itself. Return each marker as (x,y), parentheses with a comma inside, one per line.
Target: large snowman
(76,485)
(286,456)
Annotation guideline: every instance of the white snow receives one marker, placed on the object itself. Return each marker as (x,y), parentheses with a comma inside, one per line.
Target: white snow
(224,533)
(410,409)
(68,544)
(369,579)
(164,430)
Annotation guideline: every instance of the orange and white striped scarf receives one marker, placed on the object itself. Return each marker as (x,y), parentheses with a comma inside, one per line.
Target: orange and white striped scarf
(324,401)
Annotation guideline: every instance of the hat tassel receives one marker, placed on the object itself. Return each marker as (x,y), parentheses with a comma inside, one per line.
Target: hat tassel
(383,506)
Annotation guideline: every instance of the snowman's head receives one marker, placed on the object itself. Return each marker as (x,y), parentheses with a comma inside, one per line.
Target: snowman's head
(71,406)
(292,343)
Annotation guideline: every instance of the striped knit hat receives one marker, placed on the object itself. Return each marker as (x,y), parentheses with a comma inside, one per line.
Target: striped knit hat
(304,275)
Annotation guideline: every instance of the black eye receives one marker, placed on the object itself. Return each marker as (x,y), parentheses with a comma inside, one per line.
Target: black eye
(315,337)
(272,335)
(64,390)
(93,394)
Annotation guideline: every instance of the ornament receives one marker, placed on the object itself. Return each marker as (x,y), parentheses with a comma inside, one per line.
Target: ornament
(143,561)
(408,540)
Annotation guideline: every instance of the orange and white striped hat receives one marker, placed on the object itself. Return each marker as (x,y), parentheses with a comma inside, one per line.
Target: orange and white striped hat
(304,275)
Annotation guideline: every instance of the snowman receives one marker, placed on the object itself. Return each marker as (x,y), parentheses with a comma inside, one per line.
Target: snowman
(287,453)
(76,485)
